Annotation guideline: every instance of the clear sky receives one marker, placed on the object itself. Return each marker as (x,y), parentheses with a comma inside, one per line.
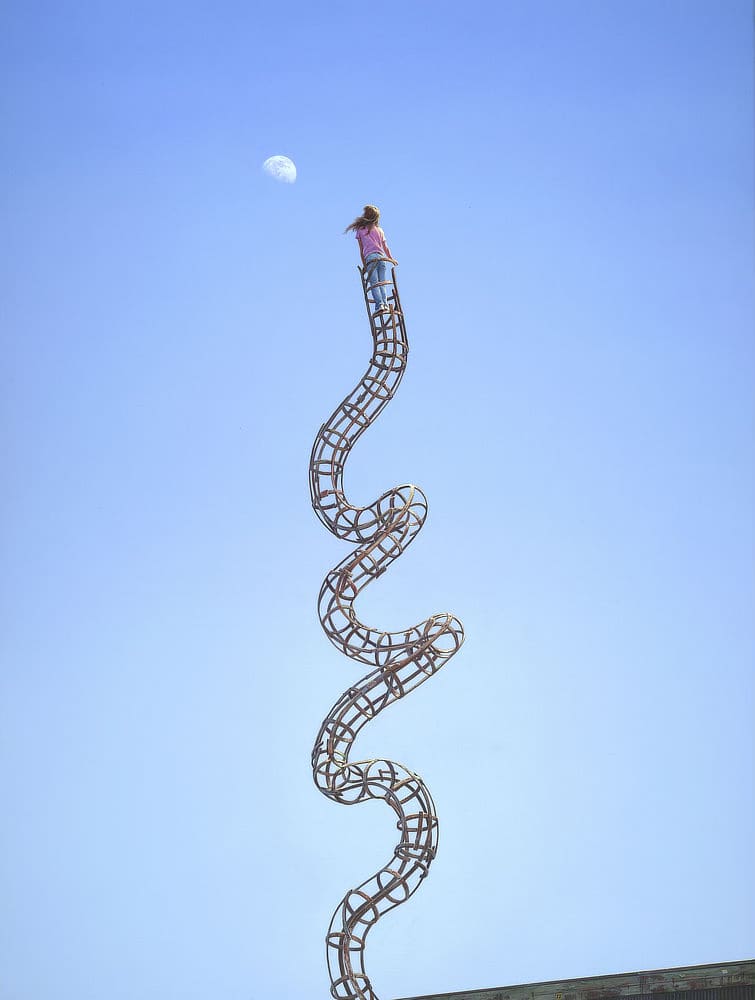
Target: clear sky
(567,185)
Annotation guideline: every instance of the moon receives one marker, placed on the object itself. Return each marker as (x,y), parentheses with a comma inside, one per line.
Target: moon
(280,168)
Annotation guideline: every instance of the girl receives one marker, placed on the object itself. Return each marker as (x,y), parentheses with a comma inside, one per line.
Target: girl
(375,253)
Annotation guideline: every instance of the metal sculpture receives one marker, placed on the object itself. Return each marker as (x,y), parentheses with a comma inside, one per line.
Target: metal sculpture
(400,661)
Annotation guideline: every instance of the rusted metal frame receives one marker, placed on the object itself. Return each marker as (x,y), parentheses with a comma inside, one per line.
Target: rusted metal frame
(401,661)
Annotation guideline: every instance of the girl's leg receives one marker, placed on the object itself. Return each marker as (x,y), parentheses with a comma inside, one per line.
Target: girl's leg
(382,271)
(377,269)
(374,266)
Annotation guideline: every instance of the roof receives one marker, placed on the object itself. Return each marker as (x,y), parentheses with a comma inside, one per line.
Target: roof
(735,979)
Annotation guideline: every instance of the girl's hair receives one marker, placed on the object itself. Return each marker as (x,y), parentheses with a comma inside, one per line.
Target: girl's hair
(367,220)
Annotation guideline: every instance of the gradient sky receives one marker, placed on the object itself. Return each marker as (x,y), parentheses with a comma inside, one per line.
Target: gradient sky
(568,189)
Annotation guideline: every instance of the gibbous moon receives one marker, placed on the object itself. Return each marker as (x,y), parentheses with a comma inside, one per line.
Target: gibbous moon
(280,168)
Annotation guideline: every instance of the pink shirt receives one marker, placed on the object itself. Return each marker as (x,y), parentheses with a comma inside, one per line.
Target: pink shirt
(372,241)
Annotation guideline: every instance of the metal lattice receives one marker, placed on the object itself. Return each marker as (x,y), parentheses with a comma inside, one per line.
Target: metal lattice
(400,661)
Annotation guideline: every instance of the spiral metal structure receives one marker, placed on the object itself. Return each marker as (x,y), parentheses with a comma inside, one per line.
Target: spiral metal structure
(398,661)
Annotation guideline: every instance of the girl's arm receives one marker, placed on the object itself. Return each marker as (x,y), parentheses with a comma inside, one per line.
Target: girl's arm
(388,253)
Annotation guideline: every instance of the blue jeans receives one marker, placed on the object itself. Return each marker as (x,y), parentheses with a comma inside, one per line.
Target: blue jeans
(376,268)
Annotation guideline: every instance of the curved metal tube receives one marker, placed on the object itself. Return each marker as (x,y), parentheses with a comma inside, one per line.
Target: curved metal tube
(400,661)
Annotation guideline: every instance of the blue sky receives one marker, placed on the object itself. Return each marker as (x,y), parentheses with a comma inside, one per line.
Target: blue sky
(568,189)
